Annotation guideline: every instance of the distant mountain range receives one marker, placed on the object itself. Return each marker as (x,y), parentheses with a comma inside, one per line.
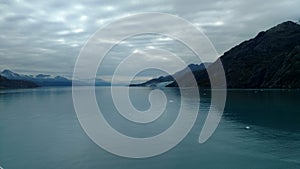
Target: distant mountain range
(10,84)
(166,80)
(270,60)
(41,80)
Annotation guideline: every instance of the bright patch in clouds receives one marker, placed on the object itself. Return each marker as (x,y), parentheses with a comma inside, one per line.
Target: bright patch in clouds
(78,30)
(109,8)
(83,18)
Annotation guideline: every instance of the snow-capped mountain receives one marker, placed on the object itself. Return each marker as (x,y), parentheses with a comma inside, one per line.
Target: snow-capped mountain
(14,76)
(40,79)
(49,80)
(15,84)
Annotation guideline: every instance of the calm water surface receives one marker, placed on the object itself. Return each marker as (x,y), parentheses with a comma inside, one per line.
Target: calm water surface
(39,130)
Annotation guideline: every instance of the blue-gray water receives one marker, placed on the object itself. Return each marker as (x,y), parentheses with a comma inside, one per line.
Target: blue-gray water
(39,129)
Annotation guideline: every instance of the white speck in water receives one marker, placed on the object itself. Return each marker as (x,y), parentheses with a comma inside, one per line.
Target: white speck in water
(171,101)
(247,127)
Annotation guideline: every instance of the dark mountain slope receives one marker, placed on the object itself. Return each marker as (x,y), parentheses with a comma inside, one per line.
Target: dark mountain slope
(14,84)
(270,60)
(48,80)
(177,75)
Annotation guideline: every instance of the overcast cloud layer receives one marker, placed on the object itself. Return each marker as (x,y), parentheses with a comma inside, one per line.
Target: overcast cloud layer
(46,37)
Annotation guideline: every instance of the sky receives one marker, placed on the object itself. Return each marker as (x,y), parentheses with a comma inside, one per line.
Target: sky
(47,36)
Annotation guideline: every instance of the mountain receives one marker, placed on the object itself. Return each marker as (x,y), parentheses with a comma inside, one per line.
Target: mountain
(269,60)
(40,79)
(48,80)
(165,80)
(91,82)
(14,84)
(101,82)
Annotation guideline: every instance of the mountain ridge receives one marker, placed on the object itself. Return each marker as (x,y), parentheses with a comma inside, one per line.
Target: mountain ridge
(40,79)
(269,60)
(160,81)
(49,80)
(15,84)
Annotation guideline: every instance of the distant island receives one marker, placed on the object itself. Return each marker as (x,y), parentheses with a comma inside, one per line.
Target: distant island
(270,60)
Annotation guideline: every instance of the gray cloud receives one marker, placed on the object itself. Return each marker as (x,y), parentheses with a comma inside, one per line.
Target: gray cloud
(46,36)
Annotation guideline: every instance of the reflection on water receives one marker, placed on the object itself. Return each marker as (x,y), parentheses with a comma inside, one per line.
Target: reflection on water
(276,109)
(39,129)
